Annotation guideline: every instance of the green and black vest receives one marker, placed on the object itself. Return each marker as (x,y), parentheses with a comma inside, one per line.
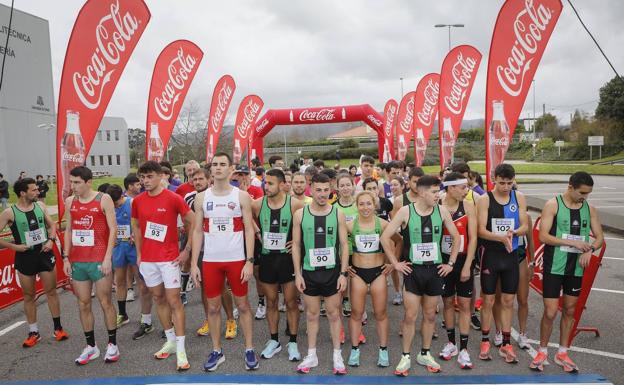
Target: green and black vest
(27,221)
(319,232)
(419,232)
(275,225)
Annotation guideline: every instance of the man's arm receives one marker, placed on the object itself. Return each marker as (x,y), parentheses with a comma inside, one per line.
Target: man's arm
(596,228)
(6,217)
(456,238)
(197,236)
(111,220)
(344,242)
(482,214)
(67,245)
(245,202)
(396,206)
(524,223)
(391,229)
(50,226)
(472,233)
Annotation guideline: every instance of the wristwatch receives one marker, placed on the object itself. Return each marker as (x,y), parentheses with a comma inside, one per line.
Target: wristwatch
(52,239)
(593,248)
(344,273)
(251,260)
(451,263)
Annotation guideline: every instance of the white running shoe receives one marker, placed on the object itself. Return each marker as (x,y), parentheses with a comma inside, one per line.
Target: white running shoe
(89,353)
(112,354)
(130,295)
(463,359)
(235,313)
(498,339)
(261,312)
(398,298)
(449,351)
(523,341)
(308,363)
(281,307)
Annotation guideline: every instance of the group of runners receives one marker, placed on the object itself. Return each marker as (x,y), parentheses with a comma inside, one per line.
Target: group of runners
(325,241)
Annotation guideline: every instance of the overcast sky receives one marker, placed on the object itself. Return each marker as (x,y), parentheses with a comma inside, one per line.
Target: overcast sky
(296,53)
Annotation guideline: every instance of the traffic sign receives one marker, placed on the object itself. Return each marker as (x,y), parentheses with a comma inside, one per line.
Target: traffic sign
(595,140)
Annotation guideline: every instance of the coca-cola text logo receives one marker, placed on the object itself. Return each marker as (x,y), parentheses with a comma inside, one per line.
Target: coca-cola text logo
(223,100)
(502,141)
(373,119)
(112,34)
(156,154)
(528,28)
(462,73)
(262,124)
(431,93)
(7,279)
(179,70)
(325,114)
(250,112)
(75,158)
(406,123)
(390,119)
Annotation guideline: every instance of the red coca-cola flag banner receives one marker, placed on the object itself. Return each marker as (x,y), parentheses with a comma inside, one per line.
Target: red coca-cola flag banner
(221,99)
(174,71)
(425,111)
(389,126)
(457,77)
(103,38)
(405,118)
(521,33)
(248,112)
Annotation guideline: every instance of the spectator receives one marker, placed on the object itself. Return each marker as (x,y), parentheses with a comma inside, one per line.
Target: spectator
(43,187)
(4,192)
(337,167)
(476,182)
(258,180)
(173,183)
(319,165)
(353,171)
(132,184)
(277,161)
(22,175)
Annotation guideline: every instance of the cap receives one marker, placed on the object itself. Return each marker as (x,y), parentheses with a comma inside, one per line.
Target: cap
(242,169)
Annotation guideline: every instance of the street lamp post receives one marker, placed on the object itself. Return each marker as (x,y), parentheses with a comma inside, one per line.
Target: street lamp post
(401,87)
(449,26)
(533,107)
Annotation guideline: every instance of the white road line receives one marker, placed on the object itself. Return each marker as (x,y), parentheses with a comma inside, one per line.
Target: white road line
(614,239)
(617,259)
(608,290)
(9,328)
(608,207)
(530,351)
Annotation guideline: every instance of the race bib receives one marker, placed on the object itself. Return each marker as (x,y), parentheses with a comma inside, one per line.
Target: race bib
(572,237)
(35,237)
(350,218)
(366,243)
(83,238)
(322,257)
(155,231)
(220,225)
(425,252)
(274,241)
(123,231)
(502,225)
(447,243)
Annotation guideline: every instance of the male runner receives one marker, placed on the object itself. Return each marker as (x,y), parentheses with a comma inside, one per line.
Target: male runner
(224,224)
(392,170)
(319,234)
(565,231)
(89,240)
(501,219)
(421,224)
(34,234)
(274,215)
(367,164)
(154,225)
(299,186)
(132,184)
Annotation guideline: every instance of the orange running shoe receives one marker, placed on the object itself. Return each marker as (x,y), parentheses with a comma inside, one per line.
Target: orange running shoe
(538,362)
(507,352)
(31,340)
(562,359)
(362,338)
(484,353)
(60,335)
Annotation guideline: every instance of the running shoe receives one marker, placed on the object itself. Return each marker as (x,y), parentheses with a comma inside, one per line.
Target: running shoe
(475,322)
(167,349)
(293,352)
(323,311)
(523,341)
(339,366)
(539,361)
(214,360)
(130,295)
(143,330)
(182,362)
(484,352)
(398,298)
(271,348)
(31,340)
(463,359)
(261,311)
(563,360)
(354,357)
(112,353)
(346,308)
(364,318)
(60,335)
(184,298)
(382,359)
(308,363)
(427,361)
(89,353)
(403,367)
(449,351)
(122,320)
(231,329)
(235,313)
(204,330)
(251,360)
(498,339)
(508,354)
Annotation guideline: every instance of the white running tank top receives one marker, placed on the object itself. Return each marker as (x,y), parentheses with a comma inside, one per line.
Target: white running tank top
(223,227)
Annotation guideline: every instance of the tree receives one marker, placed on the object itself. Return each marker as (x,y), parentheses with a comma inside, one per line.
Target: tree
(611,104)
(549,126)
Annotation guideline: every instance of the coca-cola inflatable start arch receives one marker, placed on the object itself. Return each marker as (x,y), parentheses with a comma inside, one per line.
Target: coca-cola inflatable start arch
(316,115)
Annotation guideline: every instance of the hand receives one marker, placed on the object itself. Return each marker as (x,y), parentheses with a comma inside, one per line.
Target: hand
(507,241)
(583,246)
(585,258)
(444,270)
(289,246)
(342,283)
(465,274)
(351,271)
(67,268)
(247,272)
(387,269)
(196,275)
(131,241)
(106,266)
(258,236)
(299,283)
(183,257)
(403,267)
(20,248)
(47,246)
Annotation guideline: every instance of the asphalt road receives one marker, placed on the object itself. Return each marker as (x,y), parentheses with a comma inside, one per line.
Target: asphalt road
(53,360)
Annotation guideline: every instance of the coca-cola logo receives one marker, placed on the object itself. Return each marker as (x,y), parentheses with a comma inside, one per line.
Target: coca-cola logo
(74,158)
(85,222)
(389,115)
(250,112)
(462,72)
(528,27)
(373,119)
(262,125)
(431,93)
(156,154)
(406,123)
(223,100)
(6,281)
(112,34)
(179,70)
(325,114)
(502,141)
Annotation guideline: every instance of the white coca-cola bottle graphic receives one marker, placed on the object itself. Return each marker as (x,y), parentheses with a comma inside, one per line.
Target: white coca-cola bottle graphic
(253,153)
(498,134)
(72,150)
(155,147)
(421,147)
(402,148)
(344,114)
(210,144)
(448,142)
(292,118)
(237,151)
(387,157)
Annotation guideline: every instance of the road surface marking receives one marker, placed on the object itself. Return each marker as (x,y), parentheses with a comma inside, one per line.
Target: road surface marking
(608,290)
(614,239)
(617,259)
(9,328)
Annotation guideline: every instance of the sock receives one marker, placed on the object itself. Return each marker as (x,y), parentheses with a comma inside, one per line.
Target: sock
(312,352)
(405,354)
(90,338)
(112,336)
(274,337)
(57,323)
(506,338)
(32,328)
(171,336)
(292,337)
(543,350)
(248,350)
(122,308)
(180,344)
(146,319)
(463,341)
(345,299)
(261,300)
(383,348)
(485,335)
(337,353)
(423,351)
(450,333)
(185,280)
(562,350)
(355,348)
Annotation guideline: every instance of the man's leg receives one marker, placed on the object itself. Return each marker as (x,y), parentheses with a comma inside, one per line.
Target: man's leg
(312,309)
(214,321)
(429,304)
(551,306)
(82,289)
(48,279)
(412,303)
(246,320)
(567,319)
(523,302)
(272,313)
(27,283)
(121,292)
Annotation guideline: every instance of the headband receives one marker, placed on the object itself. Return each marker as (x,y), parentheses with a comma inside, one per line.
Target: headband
(455,182)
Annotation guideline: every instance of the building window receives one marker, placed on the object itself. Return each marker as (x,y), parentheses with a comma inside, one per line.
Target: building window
(110,160)
(118,160)
(101,160)
(108,136)
(100,136)
(92,160)
(116,135)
